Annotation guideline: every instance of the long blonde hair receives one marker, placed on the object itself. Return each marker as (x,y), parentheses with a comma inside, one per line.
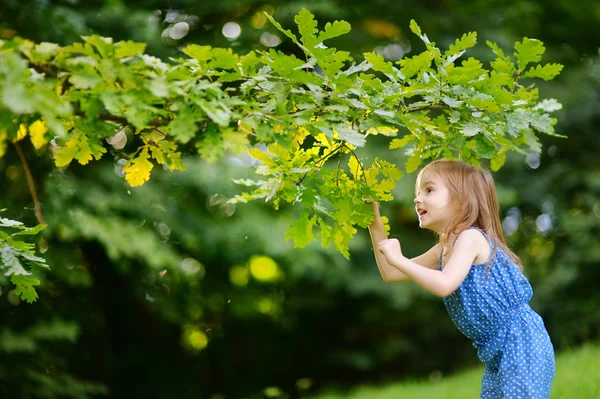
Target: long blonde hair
(473,195)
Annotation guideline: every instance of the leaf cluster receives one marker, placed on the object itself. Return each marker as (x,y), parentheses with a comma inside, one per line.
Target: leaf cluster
(18,257)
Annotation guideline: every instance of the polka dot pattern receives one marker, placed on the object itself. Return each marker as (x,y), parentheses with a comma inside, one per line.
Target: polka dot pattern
(492,309)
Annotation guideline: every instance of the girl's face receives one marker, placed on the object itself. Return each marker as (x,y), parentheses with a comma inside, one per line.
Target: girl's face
(432,203)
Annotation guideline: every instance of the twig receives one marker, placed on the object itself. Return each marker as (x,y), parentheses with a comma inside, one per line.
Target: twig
(518,73)
(337,175)
(31,184)
(323,158)
(359,164)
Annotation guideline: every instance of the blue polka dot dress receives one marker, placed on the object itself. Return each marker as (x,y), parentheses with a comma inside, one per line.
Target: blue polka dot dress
(492,309)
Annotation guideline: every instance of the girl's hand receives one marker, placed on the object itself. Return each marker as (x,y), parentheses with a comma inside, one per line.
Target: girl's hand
(390,248)
(375,212)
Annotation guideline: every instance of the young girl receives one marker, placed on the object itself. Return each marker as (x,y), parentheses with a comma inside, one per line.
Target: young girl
(480,279)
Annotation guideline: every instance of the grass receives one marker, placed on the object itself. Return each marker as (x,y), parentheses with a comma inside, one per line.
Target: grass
(577,377)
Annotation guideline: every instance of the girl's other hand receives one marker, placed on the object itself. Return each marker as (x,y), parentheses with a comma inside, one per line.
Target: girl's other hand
(390,248)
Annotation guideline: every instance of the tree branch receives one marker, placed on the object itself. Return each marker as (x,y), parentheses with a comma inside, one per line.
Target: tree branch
(323,158)
(31,184)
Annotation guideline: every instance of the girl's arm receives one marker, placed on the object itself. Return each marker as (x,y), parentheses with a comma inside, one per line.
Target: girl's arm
(388,272)
(468,245)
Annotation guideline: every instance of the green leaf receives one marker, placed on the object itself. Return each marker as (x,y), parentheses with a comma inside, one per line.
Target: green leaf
(129,49)
(399,143)
(10,223)
(199,53)
(210,147)
(30,231)
(85,79)
(517,122)
(495,48)
(341,238)
(533,141)
(104,45)
(529,50)
(307,27)
(301,231)
(215,111)
(484,149)
(25,287)
(335,29)
(467,40)
(470,129)
(541,122)
(416,29)
(223,58)
(414,65)
(378,63)
(546,72)
(498,161)
(286,32)
(413,162)
(11,261)
(503,66)
(351,136)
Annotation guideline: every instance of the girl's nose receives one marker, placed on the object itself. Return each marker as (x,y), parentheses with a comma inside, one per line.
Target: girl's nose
(417,200)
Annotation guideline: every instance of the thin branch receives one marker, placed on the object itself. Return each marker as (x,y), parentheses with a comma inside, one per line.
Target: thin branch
(359,164)
(337,175)
(518,73)
(322,159)
(31,184)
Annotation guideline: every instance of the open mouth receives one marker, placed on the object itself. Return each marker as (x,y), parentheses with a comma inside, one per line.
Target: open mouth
(421,212)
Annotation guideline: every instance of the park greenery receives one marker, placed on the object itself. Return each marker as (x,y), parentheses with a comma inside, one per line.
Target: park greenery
(138,161)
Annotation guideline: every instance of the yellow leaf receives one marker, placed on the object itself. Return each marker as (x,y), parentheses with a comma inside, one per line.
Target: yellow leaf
(355,168)
(385,130)
(386,224)
(84,155)
(137,171)
(65,154)
(322,138)
(37,133)
(342,238)
(299,137)
(21,133)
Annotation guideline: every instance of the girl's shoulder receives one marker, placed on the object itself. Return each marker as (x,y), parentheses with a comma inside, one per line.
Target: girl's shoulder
(479,241)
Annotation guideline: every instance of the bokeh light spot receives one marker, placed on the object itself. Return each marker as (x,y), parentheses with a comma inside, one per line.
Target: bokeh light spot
(270,40)
(264,268)
(238,275)
(194,339)
(179,30)
(259,20)
(266,306)
(232,30)
(192,266)
(533,160)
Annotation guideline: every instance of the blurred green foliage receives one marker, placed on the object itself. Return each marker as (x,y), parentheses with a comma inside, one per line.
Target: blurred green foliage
(152,291)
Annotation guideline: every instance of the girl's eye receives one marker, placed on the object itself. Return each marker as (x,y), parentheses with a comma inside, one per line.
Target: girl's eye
(429,190)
